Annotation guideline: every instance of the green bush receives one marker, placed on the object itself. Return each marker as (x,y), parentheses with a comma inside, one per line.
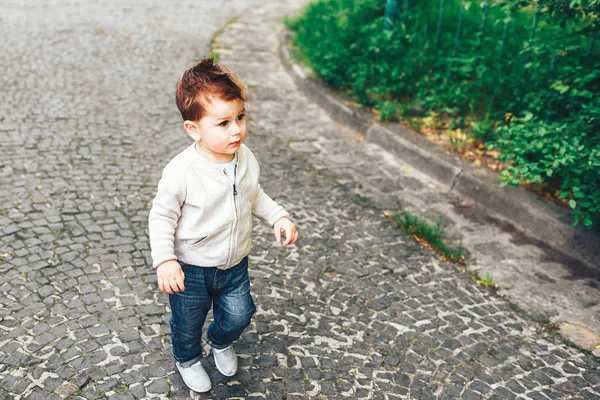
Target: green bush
(557,153)
(549,83)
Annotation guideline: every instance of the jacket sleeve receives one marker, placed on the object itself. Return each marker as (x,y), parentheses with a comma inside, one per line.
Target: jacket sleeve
(266,208)
(164,216)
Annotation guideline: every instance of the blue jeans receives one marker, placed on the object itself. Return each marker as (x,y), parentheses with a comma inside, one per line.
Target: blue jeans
(227,291)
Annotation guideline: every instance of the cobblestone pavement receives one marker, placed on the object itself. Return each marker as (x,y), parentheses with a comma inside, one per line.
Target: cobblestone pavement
(355,310)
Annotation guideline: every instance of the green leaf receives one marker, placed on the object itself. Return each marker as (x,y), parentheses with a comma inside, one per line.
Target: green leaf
(584,93)
(572,203)
(527,117)
(560,87)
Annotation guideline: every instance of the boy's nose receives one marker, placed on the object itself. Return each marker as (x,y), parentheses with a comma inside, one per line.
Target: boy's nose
(235,128)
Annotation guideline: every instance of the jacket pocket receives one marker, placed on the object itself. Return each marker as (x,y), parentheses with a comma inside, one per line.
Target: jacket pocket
(196,242)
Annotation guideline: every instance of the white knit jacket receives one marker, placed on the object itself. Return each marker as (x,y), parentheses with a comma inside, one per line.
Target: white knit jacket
(196,217)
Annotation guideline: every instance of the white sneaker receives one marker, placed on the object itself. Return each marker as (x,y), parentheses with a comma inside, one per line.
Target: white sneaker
(226,361)
(195,377)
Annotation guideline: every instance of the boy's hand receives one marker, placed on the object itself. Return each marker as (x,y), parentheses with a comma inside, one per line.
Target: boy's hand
(289,229)
(170,277)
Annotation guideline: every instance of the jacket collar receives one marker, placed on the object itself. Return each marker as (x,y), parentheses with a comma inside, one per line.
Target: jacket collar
(202,160)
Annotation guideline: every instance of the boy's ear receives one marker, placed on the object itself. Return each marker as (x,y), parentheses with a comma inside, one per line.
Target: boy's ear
(192,129)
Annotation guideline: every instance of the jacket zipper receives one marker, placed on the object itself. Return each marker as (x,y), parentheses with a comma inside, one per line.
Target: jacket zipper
(234,178)
(232,239)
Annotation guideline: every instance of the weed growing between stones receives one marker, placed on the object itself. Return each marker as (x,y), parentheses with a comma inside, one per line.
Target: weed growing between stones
(213,46)
(429,235)
(486,281)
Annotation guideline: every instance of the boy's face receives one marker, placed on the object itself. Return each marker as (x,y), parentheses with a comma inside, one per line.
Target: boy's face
(222,130)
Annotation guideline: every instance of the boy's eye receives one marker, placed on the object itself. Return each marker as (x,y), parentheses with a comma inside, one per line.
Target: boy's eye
(224,123)
(241,117)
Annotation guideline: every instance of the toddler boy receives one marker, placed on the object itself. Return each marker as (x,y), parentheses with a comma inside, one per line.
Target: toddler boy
(201,222)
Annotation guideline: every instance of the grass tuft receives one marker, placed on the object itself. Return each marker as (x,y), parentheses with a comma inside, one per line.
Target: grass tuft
(486,281)
(430,235)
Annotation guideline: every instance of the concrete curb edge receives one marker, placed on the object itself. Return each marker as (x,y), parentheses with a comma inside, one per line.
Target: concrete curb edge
(536,217)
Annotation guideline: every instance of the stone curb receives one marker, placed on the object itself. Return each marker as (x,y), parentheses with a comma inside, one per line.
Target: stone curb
(532,215)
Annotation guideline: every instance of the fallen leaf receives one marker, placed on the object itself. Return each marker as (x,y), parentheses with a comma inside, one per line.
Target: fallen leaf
(359,138)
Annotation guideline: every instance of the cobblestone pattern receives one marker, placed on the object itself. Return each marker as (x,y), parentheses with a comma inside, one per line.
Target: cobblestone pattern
(355,310)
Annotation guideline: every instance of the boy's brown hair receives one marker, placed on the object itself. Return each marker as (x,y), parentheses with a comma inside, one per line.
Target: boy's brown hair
(201,82)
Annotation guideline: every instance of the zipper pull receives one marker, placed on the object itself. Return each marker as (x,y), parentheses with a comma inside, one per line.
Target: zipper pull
(234,178)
